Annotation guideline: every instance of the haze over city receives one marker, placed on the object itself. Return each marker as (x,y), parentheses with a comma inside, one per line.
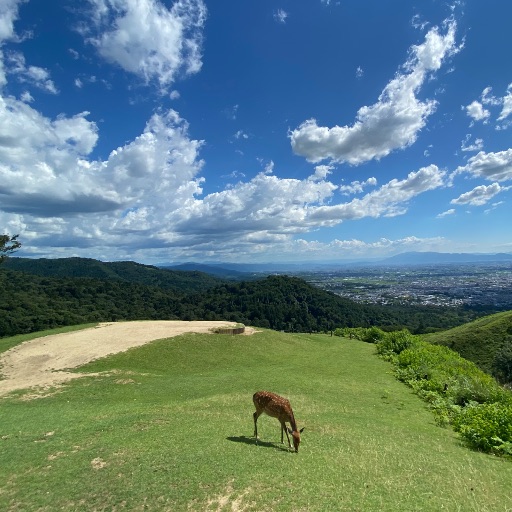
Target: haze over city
(160,131)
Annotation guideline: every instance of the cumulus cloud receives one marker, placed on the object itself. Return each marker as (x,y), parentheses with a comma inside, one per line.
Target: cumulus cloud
(491,166)
(479,195)
(46,171)
(477,112)
(356,187)
(146,38)
(389,200)
(393,122)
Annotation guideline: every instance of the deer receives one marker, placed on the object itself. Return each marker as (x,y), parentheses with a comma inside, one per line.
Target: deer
(280,408)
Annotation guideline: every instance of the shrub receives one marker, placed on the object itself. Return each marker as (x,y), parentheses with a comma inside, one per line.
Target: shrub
(394,343)
(373,335)
(457,391)
(486,427)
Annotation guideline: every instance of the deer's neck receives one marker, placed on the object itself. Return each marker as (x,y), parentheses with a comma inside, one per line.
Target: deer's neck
(292,422)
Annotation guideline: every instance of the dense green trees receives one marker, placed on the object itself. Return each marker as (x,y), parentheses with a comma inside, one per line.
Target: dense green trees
(34,299)
(8,244)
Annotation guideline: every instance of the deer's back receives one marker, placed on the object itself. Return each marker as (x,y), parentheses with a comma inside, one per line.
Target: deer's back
(272,404)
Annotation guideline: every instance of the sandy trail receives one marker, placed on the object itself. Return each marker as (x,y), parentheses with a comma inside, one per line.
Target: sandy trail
(43,361)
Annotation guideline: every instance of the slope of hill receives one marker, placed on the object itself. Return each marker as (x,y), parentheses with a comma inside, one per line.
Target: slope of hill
(169,426)
(480,340)
(129,271)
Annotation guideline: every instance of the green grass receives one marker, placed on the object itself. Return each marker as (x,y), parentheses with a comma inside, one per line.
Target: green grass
(169,427)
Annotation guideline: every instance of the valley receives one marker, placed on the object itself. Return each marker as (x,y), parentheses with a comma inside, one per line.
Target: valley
(487,285)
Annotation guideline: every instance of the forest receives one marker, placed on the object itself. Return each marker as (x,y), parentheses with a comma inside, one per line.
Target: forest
(42,294)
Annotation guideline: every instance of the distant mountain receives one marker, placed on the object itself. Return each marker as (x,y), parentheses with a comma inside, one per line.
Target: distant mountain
(224,269)
(128,271)
(432,258)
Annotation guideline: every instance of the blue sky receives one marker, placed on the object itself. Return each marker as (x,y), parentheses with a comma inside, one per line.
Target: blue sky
(255,131)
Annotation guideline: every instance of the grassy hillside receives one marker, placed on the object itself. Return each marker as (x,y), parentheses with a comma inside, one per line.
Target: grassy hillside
(169,426)
(478,341)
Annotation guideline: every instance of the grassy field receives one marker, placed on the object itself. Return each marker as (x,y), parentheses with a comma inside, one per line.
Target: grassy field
(169,427)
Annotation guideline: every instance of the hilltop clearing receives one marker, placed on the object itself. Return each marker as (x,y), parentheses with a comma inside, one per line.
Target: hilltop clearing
(43,362)
(168,426)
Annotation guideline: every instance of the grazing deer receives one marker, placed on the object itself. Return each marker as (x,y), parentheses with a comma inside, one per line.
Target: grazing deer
(280,408)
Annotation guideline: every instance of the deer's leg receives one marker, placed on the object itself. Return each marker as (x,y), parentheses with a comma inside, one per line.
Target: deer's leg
(285,430)
(255,417)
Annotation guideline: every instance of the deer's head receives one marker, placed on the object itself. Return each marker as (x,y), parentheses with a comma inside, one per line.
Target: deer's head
(296,438)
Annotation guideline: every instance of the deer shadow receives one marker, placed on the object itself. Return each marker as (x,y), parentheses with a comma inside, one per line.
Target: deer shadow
(251,440)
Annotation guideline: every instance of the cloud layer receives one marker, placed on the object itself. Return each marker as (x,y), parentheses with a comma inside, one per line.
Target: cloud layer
(147,196)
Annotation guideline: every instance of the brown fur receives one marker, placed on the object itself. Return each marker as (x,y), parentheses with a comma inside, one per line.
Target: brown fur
(280,408)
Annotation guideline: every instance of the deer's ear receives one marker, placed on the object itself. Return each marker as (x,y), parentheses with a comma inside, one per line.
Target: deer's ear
(302,429)
(290,431)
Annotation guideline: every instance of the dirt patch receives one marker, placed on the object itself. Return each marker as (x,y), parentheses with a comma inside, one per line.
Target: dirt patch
(43,361)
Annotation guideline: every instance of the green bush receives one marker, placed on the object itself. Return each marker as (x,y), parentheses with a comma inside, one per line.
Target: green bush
(394,343)
(374,335)
(457,391)
(486,427)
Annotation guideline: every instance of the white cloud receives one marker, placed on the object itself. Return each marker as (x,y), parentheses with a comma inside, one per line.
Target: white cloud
(26,97)
(359,72)
(389,200)
(146,38)
(45,170)
(476,146)
(356,187)
(8,15)
(488,98)
(477,112)
(280,16)
(479,195)
(491,166)
(322,171)
(393,122)
(451,211)
(34,75)
(507,104)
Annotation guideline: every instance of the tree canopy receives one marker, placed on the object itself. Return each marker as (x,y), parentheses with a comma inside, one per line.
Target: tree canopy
(8,244)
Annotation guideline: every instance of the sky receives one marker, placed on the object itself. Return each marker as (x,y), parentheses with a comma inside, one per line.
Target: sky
(164,131)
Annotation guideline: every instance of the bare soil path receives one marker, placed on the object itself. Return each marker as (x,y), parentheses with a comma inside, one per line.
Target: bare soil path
(43,361)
